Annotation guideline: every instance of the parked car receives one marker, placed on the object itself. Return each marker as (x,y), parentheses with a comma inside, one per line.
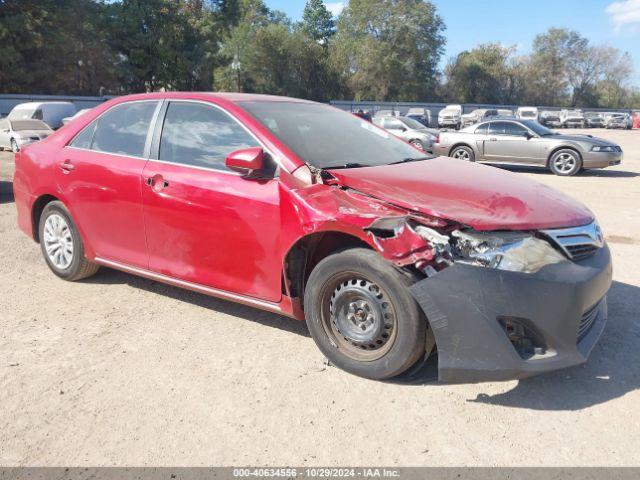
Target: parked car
(50,113)
(550,118)
(526,142)
(16,134)
(422,115)
(305,210)
(450,116)
(594,120)
(527,113)
(505,112)
(386,113)
(478,115)
(76,115)
(618,121)
(409,130)
(572,118)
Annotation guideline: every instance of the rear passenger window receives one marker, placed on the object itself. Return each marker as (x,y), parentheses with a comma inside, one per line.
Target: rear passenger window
(482,129)
(38,114)
(497,128)
(200,135)
(123,129)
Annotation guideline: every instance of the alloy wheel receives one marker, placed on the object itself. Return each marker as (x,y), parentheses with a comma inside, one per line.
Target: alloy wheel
(565,162)
(461,154)
(58,241)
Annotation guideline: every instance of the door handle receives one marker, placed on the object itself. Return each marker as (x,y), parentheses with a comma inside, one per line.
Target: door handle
(67,166)
(157,182)
(493,139)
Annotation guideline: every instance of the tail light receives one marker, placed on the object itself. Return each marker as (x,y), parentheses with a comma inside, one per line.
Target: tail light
(437,137)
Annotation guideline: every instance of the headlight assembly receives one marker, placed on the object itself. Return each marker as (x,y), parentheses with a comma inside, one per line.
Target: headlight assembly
(599,148)
(514,252)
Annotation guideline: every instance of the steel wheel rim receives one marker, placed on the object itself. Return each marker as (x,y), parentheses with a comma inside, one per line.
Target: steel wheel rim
(58,241)
(461,154)
(359,317)
(565,162)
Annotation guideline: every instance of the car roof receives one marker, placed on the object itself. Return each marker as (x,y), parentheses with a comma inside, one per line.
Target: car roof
(233,97)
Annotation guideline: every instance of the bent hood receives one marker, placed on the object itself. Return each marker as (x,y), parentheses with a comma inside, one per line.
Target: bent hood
(483,197)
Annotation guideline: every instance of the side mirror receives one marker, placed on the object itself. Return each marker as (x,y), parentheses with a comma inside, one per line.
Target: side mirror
(246,161)
(528,135)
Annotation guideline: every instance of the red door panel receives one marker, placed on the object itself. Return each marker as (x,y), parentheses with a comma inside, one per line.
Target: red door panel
(213,228)
(105,193)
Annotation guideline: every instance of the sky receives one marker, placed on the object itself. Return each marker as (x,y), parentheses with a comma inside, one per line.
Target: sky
(471,22)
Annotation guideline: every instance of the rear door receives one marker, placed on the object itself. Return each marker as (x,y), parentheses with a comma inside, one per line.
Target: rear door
(100,174)
(206,224)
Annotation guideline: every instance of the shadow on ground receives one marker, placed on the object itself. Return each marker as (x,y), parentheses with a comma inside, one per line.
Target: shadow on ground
(612,371)
(6,192)
(108,276)
(584,173)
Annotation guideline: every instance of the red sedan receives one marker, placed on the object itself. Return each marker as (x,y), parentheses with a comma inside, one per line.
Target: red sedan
(296,207)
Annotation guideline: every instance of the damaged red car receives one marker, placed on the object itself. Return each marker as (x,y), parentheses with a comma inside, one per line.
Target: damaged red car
(390,255)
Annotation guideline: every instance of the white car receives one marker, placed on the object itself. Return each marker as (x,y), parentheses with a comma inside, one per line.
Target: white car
(16,134)
(450,116)
(78,113)
(527,113)
(50,113)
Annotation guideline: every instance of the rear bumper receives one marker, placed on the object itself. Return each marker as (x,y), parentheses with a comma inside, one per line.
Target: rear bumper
(463,304)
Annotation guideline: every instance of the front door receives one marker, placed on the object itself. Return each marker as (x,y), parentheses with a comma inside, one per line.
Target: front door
(206,224)
(100,175)
(507,142)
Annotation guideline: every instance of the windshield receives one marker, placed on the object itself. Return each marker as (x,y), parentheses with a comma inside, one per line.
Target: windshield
(538,129)
(411,123)
(29,125)
(326,137)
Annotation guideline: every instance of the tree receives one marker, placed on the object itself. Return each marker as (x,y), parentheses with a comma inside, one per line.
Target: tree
(389,49)
(317,21)
(486,74)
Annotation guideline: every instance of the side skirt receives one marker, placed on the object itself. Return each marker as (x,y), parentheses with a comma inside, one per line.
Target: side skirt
(280,307)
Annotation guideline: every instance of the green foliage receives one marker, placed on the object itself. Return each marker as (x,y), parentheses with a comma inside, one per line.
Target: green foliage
(389,49)
(317,21)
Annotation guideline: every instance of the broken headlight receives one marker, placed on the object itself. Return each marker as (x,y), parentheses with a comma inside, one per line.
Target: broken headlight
(512,251)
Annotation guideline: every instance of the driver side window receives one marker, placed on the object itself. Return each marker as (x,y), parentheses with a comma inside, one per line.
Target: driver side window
(515,130)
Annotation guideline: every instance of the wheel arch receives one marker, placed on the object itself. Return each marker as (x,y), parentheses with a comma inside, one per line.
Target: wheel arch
(563,147)
(308,251)
(36,212)
(460,144)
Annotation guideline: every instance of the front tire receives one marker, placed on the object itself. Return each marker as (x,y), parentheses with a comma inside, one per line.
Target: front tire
(361,315)
(417,144)
(463,153)
(565,162)
(61,244)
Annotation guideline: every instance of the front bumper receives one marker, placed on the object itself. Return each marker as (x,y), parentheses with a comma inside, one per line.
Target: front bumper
(601,159)
(463,304)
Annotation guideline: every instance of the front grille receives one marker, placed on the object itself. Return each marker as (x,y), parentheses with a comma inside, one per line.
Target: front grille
(578,252)
(587,320)
(577,242)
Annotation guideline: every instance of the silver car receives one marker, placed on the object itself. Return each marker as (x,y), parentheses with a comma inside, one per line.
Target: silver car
(526,142)
(16,134)
(410,130)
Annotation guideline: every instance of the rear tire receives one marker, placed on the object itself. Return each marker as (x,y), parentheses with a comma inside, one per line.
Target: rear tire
(463,153)
(61,244)
(362,316)
(565,162)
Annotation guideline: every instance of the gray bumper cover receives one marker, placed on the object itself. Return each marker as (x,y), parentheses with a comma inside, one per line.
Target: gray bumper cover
(462,303)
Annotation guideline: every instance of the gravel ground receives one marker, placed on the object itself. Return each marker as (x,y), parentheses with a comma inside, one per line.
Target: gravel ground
(118,370)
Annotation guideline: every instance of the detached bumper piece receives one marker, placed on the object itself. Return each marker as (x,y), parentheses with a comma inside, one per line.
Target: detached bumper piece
(493,325)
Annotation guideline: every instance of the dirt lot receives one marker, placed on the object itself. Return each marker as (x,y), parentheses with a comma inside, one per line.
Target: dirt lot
(118,370)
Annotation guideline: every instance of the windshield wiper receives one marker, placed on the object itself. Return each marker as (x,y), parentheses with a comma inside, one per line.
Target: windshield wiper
(347,165)
(410,159)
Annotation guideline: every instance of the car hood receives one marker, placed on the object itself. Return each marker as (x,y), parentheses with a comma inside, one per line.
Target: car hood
(582,138)
(480,196)
(34,133)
